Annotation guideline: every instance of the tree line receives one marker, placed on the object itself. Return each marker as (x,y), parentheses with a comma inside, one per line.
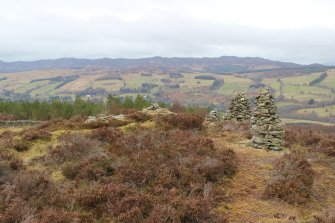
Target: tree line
(43,110)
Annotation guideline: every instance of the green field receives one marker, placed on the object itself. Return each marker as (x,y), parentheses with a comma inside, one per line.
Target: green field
(329,81)
(233,84)
(302,121)
(327,111)
(295,88)
(281,104)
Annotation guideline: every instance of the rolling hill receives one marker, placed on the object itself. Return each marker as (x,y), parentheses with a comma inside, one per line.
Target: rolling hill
(225,64)
(302,91)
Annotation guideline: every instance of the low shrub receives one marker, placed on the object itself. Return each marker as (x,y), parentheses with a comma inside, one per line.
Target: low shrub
(317,140)
(33,134)
(70,170)
(15,210)
(6,139)
(6,117)
(58,123)
(189,121)
(167,121)
(147,175)
(73,147)
(213,168)
(9,166)
(154,176)
(293,179)
(139,116)
(77,119)
(26,196)
(303,137)
(113,122)
(182,161)
(177,107)
(89,169)
(120,201)
(20,145)
(32,185)
(232,126)
(106,134)
(117,111)
(57,215)
(7,134)
(185,209)
(326,216)
(95,124)
(183,121)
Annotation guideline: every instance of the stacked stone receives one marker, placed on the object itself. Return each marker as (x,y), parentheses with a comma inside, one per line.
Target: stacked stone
(153,107)
(213,116)
(267,128)
(239,109)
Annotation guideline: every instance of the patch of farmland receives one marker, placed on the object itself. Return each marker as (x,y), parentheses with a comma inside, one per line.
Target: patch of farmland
(329,81)
(233,84)
(327,111)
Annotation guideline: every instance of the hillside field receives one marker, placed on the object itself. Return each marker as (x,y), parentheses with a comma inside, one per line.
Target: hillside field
(297,98)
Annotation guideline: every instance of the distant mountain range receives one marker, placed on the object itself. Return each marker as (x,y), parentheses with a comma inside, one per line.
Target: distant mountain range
(224,64)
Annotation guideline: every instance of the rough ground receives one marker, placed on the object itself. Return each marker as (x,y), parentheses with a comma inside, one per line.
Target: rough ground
(244,201)
(245,195)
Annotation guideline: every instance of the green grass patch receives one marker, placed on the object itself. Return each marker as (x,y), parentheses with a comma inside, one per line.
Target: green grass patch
(327,111)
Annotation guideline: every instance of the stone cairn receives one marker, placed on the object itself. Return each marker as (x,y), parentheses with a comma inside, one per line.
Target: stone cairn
(239,109)
(153,107)
(214,116)
(267,128)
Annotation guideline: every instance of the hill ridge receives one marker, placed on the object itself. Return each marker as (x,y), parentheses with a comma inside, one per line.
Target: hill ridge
(224,64)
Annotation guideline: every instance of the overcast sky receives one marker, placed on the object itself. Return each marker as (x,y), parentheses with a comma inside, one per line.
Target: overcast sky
(300,31)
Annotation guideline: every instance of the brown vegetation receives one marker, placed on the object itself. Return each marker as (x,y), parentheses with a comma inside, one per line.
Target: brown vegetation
(9,166)
(317,138)
(139,116)
(6,117)
(293,179)
(72,148)
(232,126)
(95,124)
(183,121)
(31,134)
(106,134)
(169,172)
(143,176)
(326,216)
(20,145)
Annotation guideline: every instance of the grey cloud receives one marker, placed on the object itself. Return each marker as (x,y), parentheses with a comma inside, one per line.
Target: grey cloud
(166,34)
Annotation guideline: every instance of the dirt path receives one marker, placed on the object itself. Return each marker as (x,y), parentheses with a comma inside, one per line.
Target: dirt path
(246,203)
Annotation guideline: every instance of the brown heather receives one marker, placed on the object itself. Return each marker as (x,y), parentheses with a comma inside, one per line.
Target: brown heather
(293,179)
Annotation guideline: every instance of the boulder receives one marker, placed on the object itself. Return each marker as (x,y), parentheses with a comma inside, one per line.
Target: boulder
(91,119)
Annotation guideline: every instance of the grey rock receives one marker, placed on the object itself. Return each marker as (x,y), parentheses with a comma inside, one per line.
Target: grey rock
(154,106)
(214,116)
(91,119)
(267,128)
(239,109)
